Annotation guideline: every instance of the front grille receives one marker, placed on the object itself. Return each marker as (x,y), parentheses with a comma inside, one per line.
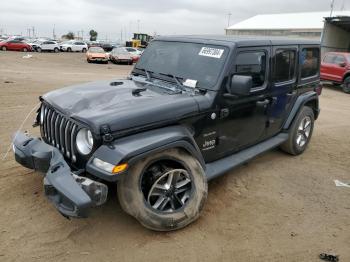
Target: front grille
(59,131)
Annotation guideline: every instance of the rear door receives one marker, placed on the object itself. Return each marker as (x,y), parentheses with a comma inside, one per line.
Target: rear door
(45,45)
(283,90)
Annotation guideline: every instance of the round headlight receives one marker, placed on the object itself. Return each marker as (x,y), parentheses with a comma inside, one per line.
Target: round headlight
(84,141)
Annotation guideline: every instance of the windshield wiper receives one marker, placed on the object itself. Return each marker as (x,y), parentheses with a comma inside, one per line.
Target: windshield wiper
(148,73)
(176,78)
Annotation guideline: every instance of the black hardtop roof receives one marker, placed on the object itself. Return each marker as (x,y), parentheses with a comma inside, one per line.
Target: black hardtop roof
(238,41)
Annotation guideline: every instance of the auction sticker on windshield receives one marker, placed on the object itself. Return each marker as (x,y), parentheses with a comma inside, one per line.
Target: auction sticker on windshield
(211,52)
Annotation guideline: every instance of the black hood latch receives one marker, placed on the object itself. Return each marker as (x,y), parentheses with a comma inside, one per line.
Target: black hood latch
(106,134)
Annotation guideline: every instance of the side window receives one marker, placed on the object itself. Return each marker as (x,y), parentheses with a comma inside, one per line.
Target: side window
(46,43)
(252,63)
(329,59)
(284,65)
(309,62)
(339,59)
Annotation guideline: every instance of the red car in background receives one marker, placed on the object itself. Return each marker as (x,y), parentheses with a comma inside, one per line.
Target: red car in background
(335,67)
(15,45)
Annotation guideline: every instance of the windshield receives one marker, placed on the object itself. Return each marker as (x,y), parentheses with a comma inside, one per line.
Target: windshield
(188,61)
(96,50)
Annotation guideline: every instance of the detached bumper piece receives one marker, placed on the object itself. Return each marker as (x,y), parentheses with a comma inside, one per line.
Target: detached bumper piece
(71,194)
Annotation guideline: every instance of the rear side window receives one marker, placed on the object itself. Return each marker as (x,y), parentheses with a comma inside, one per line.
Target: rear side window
(252,64)
(284,66)
(309,62)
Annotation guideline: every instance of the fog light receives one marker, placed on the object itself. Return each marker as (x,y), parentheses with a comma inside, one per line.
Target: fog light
(109,167)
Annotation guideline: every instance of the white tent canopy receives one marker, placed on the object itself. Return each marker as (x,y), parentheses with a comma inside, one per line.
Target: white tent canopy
(286,21)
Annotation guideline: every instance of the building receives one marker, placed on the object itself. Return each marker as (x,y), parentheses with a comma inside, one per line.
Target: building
(304,25)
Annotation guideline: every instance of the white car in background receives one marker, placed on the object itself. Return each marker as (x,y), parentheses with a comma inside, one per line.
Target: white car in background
(135,54)
(133,51)
(74,46)
(47,46)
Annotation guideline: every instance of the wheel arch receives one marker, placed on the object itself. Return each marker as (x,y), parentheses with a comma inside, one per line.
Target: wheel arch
(308,99)
(346,75)
(133,148)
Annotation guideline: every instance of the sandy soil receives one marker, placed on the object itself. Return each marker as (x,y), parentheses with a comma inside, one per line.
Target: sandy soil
(276,208)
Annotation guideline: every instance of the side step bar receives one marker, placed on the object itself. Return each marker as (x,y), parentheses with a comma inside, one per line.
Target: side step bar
(221,166)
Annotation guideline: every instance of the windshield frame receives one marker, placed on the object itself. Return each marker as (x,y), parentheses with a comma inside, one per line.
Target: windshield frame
(221,71)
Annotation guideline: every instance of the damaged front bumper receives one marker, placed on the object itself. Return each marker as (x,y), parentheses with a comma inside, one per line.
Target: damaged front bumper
(71,194)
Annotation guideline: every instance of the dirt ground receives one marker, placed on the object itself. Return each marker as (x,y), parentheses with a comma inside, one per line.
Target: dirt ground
(276,208)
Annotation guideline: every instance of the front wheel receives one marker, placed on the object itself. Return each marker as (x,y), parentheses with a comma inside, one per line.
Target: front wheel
(346,85)
(165,191)
(56,50)
(38,49)
(3,48)
(83,50)
(300,132)
(69,49)
(24,49)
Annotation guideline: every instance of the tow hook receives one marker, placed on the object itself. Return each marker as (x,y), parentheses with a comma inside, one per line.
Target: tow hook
(96,191)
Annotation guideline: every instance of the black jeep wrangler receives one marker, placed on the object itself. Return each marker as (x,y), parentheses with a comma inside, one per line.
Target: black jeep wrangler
(193,108)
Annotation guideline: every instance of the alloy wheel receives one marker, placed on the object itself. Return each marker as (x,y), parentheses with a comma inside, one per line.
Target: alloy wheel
(304,130)
(170,191)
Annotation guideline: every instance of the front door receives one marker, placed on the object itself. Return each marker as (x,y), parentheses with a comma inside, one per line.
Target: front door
(239,121)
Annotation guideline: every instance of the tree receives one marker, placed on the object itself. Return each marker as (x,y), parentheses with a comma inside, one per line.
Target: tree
(69,36)
(93,35)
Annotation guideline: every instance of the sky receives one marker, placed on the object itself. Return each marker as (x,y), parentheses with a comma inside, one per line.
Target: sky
(113,19)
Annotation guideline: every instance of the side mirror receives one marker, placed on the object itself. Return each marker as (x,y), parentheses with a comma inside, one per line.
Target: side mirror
(342,64)
(241,85)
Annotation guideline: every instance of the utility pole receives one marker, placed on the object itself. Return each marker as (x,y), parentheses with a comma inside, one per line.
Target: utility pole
(33,28)
(53,32)
(82,34)
(228,19)
(138,25)
(342,6)
(332,7)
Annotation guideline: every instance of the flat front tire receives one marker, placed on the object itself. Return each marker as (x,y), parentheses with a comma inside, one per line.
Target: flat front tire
(165,191)
(300,132)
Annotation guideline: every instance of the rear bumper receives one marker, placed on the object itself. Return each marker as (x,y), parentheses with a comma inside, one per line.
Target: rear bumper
(71,194)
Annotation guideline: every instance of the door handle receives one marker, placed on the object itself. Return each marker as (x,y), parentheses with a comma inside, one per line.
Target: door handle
(264,102)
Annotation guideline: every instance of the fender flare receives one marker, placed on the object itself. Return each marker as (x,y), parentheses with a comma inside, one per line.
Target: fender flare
(299,103)
(132,148)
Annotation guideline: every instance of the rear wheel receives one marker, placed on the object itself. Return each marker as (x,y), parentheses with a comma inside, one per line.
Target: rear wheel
(56,50)
(38,49)
(69,49)
(88,60)
(346,85)
(165,191)
(3,48)
(24,49)
(300,132)
(84,50)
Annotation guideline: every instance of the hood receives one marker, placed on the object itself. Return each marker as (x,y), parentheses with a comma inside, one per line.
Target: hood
(102,103)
